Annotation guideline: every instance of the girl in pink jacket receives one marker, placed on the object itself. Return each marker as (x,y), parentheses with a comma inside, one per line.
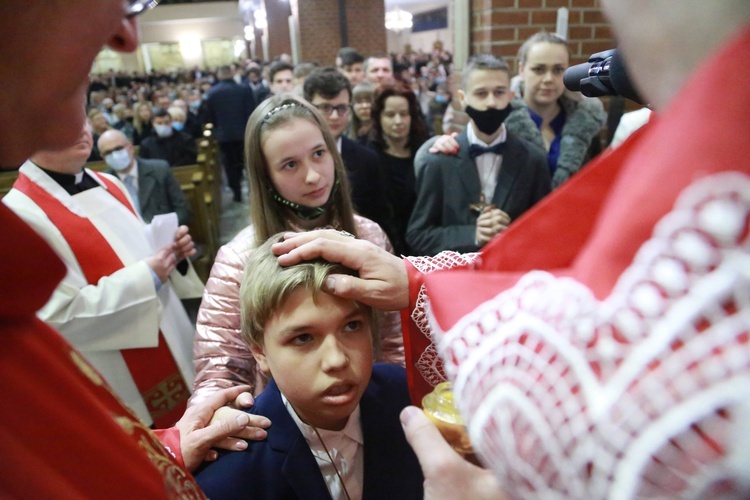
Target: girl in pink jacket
(297,182)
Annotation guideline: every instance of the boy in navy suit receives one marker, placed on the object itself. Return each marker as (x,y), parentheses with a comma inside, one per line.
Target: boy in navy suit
(336,430)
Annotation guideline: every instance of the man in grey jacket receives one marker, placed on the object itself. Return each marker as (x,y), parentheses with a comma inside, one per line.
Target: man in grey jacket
(150,183)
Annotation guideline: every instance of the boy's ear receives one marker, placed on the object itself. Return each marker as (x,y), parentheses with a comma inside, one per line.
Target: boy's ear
(260,357)
(461,98)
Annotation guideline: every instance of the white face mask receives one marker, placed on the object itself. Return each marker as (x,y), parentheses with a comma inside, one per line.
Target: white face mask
(118,160)
(163,130)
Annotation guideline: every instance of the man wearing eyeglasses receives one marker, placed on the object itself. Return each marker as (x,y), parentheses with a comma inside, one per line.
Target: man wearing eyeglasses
(331,93)
(63,432)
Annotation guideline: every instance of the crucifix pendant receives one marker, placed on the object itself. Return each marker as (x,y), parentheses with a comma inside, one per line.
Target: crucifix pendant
(481,206)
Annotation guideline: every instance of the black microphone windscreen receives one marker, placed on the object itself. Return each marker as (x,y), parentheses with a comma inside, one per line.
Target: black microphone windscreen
(574,74)
(621,82)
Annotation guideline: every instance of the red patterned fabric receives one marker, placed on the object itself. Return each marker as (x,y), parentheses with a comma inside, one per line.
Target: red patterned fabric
(620,368)
(66,435)
(424,368)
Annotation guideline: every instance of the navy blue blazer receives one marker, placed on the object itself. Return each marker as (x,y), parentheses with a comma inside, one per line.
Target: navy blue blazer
(367,182)
(283,467)
(229,107)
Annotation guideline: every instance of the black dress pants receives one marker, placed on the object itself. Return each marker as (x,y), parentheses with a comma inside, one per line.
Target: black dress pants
(232,158)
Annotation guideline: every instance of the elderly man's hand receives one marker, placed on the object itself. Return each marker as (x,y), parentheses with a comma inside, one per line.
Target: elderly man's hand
(382,281)
(200,430)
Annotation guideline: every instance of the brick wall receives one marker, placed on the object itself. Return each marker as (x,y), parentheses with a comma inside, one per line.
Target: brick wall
(319,27)
(320,32)
(366,26)
(497,26)
(501,26)
(277,15)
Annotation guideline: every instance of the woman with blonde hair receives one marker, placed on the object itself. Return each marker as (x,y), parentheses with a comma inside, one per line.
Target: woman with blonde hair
(142,114)
(297,182)
(565,124)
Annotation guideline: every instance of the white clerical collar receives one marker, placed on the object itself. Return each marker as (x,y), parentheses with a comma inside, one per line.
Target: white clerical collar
(338,144)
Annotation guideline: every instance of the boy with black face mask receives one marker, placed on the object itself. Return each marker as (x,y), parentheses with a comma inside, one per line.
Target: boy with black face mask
(463,200)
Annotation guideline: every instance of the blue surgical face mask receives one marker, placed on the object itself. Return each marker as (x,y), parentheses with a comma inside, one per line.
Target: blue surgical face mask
(195,104)
(178,126)
(119,160)
(441,98)
(163,130)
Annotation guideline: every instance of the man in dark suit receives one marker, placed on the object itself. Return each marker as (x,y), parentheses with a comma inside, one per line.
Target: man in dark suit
(330,91)
(150,183)
(257,84)
(192,125)
(166,143)
(464,200)
(229,107)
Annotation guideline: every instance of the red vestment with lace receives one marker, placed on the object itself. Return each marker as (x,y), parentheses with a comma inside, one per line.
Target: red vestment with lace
(600,347)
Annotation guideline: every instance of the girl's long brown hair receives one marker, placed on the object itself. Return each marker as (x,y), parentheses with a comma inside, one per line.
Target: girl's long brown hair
(268,217)
(418,133)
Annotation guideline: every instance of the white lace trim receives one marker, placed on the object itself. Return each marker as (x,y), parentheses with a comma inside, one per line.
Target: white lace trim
(429,364)
(643,394)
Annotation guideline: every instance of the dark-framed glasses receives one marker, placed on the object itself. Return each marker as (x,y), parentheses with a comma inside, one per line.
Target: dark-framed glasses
(136,7)
(327,109)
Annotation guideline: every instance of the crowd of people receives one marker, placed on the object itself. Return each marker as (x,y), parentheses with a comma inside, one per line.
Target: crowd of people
(590,308)
(381,109)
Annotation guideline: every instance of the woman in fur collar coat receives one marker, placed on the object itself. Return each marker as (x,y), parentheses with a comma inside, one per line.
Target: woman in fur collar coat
(545,114)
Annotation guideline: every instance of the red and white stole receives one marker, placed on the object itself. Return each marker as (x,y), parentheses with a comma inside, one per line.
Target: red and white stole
(153,369)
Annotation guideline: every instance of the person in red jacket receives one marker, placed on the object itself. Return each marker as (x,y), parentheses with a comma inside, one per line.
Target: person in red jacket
(62,430)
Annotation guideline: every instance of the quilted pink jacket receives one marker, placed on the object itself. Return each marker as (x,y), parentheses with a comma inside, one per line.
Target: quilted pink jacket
(221,357)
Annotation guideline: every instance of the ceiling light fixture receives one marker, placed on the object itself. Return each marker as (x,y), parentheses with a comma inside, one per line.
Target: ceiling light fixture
(397,20)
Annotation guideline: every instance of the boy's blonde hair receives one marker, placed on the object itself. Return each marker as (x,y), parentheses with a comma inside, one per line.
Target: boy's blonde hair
(266,286)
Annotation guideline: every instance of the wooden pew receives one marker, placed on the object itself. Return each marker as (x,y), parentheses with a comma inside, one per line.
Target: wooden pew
(203,225)
(99,166)
(208,158)
(7,178)
(208,154)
